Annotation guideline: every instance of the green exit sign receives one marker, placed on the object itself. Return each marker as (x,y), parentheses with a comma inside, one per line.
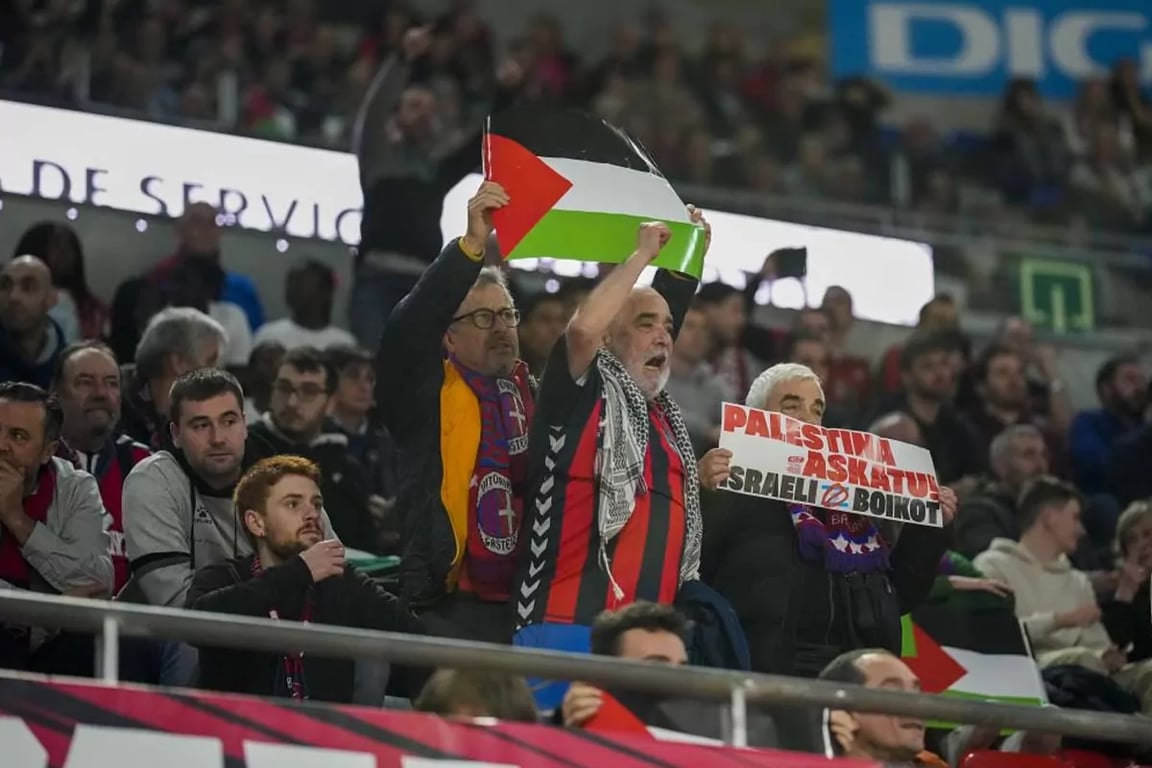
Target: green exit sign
(1058,295)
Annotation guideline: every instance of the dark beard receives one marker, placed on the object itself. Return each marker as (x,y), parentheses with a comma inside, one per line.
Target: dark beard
(284,550)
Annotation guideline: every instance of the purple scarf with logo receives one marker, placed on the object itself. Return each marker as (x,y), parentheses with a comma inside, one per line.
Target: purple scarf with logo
(843,542)
(495,498)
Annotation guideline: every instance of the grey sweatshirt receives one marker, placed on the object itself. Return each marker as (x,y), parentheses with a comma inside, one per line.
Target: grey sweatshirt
(173,529)
(70,549)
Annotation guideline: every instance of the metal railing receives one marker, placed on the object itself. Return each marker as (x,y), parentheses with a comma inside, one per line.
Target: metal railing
(110,620)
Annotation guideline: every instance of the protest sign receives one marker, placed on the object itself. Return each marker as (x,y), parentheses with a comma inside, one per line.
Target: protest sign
(777,457)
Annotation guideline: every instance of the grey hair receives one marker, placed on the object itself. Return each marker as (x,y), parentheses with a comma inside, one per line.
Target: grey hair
(492,276)
(1002,443)
(180,331)
(767,381)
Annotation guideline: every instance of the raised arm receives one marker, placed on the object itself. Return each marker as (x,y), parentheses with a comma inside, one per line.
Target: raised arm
(588,326)
(370,141)
(415,329)
(586,331)
(678,289)
(463,157)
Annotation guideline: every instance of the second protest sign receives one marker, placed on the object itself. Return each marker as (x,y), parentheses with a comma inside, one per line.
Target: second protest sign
(778,457)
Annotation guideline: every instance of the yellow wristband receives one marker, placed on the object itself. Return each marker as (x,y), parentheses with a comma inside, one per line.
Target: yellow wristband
(474,256)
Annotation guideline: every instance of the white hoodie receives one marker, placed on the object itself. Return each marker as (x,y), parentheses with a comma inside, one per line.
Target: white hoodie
(1042,591)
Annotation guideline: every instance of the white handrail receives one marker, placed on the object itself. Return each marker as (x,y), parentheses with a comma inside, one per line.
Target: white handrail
(110,619)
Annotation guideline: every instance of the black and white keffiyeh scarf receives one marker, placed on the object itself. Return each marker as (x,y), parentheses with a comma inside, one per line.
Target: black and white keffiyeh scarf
(622,441)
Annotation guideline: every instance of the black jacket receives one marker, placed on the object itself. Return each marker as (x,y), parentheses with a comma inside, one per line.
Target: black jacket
(38,372)
(1128,476)
(343,482)
(351,600)
(1131,623)
(409,376)
(987,513)
(797,616)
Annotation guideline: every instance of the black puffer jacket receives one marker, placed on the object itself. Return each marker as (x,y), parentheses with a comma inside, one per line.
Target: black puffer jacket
(796,615)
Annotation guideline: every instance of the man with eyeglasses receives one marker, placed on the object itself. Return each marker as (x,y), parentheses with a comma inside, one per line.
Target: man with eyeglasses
(458,400)
(294,425)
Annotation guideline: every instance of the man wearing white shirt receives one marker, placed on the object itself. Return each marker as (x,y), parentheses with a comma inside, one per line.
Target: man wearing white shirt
(309,291)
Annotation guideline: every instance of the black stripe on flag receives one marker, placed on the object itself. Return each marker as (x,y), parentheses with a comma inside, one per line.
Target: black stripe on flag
(569,133)
(993,631)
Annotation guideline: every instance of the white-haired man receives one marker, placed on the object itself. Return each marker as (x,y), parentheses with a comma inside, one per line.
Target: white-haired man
(615,495)
(801,600)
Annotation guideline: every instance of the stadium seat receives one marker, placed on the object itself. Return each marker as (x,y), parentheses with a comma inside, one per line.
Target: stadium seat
(990,759)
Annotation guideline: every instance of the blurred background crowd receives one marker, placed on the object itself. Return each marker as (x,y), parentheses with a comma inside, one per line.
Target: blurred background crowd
(725,113)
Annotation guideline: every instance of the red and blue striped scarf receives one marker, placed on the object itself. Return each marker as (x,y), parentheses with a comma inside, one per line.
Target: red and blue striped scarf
(495,498)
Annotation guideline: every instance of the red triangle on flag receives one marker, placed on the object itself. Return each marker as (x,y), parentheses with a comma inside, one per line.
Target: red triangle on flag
(937,669)
(533,187)
(614,717)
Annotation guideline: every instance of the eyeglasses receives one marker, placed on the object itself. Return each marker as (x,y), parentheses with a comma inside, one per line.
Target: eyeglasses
(486,318)
(305,392)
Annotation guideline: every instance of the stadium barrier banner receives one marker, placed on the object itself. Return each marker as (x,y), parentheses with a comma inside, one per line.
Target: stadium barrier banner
(778,457)
(267,186)
(53,724)
(976,47)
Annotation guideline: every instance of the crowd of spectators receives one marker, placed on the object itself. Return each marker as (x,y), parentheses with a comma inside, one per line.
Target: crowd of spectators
(296,70)
(994,416)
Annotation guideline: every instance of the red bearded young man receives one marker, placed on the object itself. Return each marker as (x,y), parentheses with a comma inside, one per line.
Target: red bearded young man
(615,496)
(802,599)
(457,398)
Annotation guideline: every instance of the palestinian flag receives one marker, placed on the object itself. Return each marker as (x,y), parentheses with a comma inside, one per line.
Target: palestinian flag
(982,655)
(579,189)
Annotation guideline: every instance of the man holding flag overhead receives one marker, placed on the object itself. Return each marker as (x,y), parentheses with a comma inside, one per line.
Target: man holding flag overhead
(615,497)
(458,400)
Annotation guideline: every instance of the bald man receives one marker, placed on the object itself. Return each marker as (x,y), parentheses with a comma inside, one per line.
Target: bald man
(30,341)
(615,513)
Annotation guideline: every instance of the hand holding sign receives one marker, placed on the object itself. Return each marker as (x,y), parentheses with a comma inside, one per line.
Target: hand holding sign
(697,217)
(948,504)
(715,468)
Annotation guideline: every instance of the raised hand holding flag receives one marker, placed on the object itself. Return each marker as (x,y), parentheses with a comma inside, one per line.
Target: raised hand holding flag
(580,189)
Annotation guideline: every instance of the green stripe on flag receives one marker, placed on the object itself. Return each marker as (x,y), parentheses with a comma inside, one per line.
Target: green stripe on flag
(907,638)
(954,694)
(1026,701)
(609,238)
